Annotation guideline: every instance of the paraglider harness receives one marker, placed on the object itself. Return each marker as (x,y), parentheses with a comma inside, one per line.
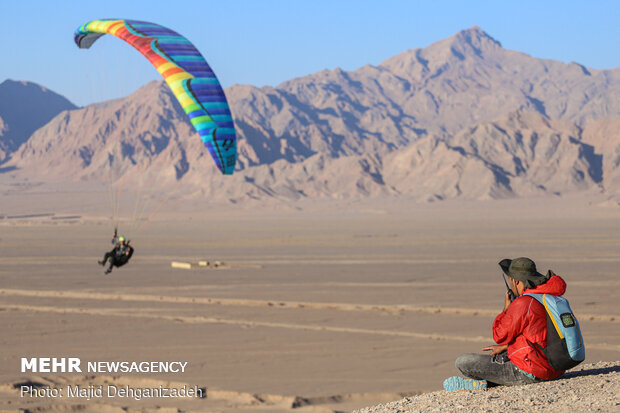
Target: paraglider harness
(120,254)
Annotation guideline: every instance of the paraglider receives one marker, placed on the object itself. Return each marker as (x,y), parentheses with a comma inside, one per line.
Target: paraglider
(192,82)
(186,72)
(119,255)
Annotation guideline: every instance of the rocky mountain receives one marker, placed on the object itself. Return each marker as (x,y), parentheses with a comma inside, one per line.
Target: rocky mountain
(604,136)
(462,117)
(147,130)
(438,90)
(519,154)
(24,108)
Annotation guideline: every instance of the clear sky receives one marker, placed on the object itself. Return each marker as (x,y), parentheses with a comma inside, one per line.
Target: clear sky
(267,42)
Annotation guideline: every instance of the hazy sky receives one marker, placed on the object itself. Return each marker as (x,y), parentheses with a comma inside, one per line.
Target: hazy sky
(267,42)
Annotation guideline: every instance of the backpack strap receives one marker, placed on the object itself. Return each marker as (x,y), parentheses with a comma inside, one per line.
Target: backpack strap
(540,299)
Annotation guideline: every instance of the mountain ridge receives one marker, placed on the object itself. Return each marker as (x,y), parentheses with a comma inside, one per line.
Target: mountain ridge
(25,107)
(460,118)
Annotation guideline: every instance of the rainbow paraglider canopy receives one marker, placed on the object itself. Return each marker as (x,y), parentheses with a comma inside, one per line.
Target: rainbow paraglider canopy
(188,75)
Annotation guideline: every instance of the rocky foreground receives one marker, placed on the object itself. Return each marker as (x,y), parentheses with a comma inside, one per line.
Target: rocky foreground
(587,388)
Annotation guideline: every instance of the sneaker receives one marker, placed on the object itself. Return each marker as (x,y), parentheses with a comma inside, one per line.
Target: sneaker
(455,383)
(100,262)
(107,271)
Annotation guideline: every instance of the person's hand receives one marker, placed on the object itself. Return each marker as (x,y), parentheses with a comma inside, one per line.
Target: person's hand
(506,301)
(496,349)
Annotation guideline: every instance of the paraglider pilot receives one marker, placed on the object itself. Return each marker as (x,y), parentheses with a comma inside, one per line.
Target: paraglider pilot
(119,255)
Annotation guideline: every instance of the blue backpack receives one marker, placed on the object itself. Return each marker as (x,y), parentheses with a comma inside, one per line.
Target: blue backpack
(565,348)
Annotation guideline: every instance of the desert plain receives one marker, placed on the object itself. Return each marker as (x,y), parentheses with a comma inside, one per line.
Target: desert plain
(323,307)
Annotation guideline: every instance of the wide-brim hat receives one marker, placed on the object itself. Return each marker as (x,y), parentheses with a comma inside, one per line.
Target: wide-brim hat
(523,269)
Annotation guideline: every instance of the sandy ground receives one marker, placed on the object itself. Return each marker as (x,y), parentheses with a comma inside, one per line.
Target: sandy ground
(331,307)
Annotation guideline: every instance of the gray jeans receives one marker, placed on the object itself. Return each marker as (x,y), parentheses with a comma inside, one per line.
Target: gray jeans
(497,369)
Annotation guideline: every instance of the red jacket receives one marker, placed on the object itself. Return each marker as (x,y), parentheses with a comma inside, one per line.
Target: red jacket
(526,320)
